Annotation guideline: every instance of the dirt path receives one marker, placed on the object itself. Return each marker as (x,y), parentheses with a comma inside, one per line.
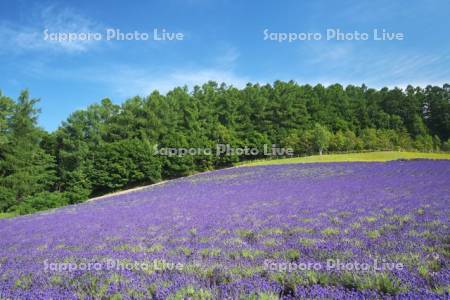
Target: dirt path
(151,185)
(127,191)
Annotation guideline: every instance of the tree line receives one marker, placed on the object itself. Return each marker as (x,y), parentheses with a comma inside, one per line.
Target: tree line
(108,147)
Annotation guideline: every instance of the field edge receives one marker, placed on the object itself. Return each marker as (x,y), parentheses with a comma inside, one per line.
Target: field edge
(377,156)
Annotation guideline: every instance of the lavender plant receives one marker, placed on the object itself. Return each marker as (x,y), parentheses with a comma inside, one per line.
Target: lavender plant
(267,232)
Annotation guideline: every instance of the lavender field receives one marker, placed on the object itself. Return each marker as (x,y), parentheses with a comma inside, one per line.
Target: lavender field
(331,230)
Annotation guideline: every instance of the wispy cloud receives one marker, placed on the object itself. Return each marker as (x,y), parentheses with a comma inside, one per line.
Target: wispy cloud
(194,77)
(348,63)
(126,80)
(17,38)
(400,69)
(327,53)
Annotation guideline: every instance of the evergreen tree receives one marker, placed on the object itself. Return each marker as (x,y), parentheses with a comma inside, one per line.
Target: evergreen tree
(106,146)
(26,168)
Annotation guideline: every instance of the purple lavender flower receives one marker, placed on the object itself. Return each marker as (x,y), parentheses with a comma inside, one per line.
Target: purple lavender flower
(268,232)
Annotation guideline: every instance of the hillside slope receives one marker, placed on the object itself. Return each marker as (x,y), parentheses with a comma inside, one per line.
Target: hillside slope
(377,156)
(233,233)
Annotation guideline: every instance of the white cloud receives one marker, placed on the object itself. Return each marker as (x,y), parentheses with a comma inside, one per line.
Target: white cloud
(328,53)
(130,81)
(18,38)
(347,63)
(126,81)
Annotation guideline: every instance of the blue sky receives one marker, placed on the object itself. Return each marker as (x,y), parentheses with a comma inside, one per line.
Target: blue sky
(223,41)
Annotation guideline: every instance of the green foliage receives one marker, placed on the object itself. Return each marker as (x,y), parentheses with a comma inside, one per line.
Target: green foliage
(381,282)
(373,234)
(7,215)
(424,143)
(25,168)
(190,292)
(107,147)
(260,296)
(124,163)
(446,145)
(40,201)
(322,137)
(372,156)
(292,255)
(24,282)
(330,231)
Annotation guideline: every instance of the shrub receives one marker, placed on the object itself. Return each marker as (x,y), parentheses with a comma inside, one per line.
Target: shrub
(41,201)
